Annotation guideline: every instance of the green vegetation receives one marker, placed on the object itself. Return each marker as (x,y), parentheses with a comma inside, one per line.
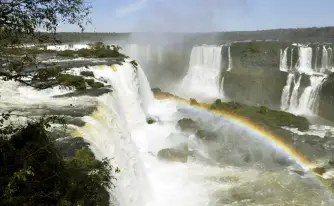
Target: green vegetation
(97,50)
(150,120)
(87,73)
(93,84)
(46,74)
(156,90)
(193,102)
(262,115)
(33,172)
(68,80)
(187,124)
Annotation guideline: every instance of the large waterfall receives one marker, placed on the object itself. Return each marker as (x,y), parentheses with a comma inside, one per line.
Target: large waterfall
(305,101)
(202,79)
(219,168)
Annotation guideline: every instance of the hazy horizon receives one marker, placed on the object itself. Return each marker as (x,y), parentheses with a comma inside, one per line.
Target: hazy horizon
(198,16)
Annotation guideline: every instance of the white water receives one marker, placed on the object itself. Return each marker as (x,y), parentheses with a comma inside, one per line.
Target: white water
(284,60)
(291,63)
(294,96)
(202,79)
(305,60)
(324,60)
(229,59)
(316,59)
(68,47)
(307,102)
(286,92)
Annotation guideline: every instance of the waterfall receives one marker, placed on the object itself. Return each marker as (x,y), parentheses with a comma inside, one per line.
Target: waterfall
(284,60)
(308,103)
(294,95)
(324,60)
(330,54)
(202,78)
(316,60)
(291,65)
(305,60)
(286,92)
(113,129)
(229,59)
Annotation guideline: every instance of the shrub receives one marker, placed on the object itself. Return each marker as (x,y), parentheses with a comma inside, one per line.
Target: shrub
(66,53)
(156,90)
(263,110)
(193,101)
(90,82)
(70,80)
(97,85)
(87,73)
(34,172)
(45,74)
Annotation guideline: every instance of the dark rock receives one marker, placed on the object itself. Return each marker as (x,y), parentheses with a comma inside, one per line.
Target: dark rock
(326,98)
(319,170)
(179,154)
(94,92)
(187,124)
(156,90)
(68,146)
(206,135)
(150,120)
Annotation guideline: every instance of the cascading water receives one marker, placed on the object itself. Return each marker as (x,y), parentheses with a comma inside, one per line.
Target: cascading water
(291,63)
(316,59)
(324,60)
(306,102)
(286,92)
(330,54)
(284,60)
(202,79)
(229,59)
(113,129)
(305,60)
(294,95)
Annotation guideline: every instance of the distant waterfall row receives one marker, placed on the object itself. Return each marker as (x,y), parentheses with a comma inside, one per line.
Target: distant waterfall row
(306,59)
(310,61)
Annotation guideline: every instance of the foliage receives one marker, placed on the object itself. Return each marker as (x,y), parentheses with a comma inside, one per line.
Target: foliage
(19,22)
(156,90)
(87,73)
(66,53)
(45,74)
(262,115)
(68,80)
(97,50)
(34,172)
(193,102)
(97,85)
(93,84)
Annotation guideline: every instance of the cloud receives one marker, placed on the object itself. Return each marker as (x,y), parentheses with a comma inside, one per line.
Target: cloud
(130,8)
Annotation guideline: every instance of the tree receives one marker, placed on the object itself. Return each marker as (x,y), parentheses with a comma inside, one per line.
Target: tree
(23,20)
(32,171)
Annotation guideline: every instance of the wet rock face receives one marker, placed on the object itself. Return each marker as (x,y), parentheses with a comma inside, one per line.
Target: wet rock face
(178,154)
(253,88)
(68,146)
(326,99)
(187,125)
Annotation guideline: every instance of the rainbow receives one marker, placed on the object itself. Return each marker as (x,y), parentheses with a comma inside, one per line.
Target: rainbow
(243,122)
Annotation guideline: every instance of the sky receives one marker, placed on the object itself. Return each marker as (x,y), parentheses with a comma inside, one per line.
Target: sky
(205,15)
